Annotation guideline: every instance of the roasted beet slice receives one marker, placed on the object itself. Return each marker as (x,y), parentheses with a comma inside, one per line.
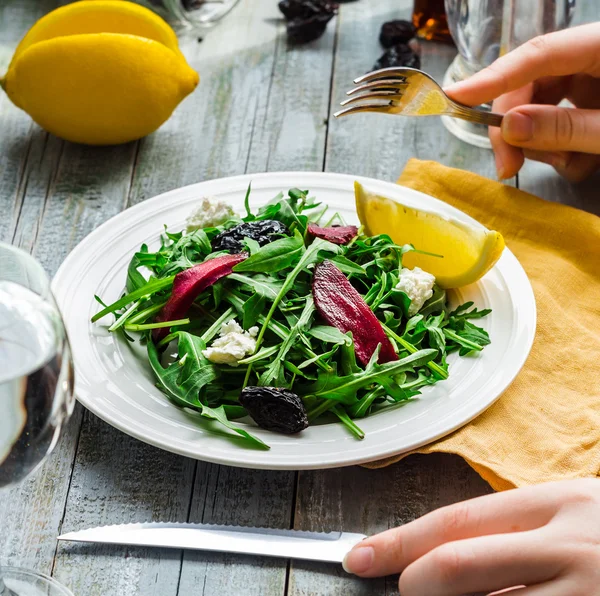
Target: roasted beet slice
(335,234)
(189,284)
(343,307)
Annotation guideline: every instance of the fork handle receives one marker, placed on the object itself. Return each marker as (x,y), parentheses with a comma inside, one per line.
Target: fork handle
(476,116)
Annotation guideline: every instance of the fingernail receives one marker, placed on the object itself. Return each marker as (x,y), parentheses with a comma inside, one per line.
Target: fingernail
(559,160)
(517,127)
(359,559)
(500,172)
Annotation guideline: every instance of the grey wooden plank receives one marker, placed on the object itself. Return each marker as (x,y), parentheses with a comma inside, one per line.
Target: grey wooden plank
(290,135)
(368,501)
(235,496)
(541,179)
(16,16)
(210,133)
(117,479)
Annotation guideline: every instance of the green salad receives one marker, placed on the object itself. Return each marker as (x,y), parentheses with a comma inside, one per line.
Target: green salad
(288,316)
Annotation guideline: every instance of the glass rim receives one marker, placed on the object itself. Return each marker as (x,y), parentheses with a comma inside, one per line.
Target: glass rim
(22,571)
(31,261)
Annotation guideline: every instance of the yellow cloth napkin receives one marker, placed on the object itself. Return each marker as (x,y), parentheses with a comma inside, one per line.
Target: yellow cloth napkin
(546,426)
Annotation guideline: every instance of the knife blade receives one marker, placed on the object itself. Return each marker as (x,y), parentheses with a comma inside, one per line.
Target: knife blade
(329,547)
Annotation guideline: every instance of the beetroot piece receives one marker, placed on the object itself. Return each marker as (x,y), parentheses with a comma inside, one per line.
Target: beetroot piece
(189,284)
(335,234)
(342,306)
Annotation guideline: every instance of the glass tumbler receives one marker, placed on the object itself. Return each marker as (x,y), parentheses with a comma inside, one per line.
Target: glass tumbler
(190,14)
(36,390)
(483,30)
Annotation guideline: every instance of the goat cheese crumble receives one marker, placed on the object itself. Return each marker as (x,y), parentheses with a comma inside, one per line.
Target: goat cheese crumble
(232,345)
(417,285)
(209,214)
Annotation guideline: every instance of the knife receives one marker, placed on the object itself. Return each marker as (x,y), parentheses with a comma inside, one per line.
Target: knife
(331,547)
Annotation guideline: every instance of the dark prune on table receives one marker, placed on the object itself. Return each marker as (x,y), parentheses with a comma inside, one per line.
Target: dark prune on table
(395,32)
(398,55)
(263,232)
(307,19)
(306,30)
(275,409)
(304,9)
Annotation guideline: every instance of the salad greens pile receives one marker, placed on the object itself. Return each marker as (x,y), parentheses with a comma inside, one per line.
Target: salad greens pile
(296,349)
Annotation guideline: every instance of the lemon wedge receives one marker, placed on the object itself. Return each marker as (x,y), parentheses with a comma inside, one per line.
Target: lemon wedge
(99,72)
(468,252)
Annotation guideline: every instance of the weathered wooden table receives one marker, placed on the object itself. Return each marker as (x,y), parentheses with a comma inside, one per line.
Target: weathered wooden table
(260,106)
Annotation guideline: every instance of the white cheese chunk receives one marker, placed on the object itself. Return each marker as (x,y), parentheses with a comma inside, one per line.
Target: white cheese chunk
(210,213)
(232,345)
(417,285)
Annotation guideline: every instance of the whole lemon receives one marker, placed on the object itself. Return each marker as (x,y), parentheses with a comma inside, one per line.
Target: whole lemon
(102,86)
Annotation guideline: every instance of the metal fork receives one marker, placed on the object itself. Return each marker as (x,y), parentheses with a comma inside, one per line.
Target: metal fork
(410,92)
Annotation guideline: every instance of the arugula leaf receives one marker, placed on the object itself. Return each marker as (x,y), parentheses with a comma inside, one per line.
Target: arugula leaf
(247,201)
(330,335)
(361,408)
(437,339)
(348,357)
(183,379)
(463,312)
(436,303)
(135,279)
(469,337)
(341,413)
(309,257)
(252,309)
(251,245)
(265,285)
(275,256)
(273,374)
(415,330)
(344,388)
(150,287)
(218,414)
(347,266)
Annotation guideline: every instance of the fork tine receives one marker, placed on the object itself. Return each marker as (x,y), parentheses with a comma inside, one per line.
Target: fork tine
(383,83)
(387,73)
(391,95)
(368,107)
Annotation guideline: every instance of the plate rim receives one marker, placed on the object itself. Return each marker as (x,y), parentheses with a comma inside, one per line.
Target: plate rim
(341,179)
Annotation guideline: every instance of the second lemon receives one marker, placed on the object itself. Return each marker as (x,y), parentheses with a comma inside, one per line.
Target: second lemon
(99,72)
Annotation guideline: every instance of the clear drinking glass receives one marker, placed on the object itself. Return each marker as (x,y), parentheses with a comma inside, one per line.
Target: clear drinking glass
(483,30)
(36,389)
(190,13)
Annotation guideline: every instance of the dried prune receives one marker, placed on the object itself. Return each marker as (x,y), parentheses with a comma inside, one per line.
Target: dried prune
(263,232)
(399,55)
(275,409)
(304,30)
(395,32)
(306,19)
(304,9)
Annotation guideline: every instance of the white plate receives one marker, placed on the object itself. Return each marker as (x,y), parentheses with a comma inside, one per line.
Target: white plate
(116,383)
